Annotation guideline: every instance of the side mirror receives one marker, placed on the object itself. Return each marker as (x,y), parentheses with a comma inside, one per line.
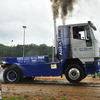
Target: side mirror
(92,25)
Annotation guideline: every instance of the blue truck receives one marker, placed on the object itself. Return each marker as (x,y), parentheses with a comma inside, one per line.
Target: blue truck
(76,48)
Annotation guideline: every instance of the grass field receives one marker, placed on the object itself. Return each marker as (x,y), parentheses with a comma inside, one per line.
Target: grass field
(14,98)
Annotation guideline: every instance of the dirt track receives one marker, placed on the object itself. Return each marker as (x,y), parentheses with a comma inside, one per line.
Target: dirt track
(53,88)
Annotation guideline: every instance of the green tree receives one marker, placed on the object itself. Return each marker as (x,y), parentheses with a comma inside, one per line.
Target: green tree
(30,50)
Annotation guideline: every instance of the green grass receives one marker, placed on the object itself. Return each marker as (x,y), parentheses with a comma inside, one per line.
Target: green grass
(14,98)
(63,99)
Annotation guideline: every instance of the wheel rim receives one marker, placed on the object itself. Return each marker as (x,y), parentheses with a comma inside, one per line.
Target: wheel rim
(11,76)
(74,73)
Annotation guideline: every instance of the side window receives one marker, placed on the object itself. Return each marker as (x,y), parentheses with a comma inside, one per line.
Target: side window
(78,33)
(82,33)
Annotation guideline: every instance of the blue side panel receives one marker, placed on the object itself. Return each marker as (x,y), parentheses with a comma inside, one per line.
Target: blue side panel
(28,60)
(11,60)
(36,70)
(63,42)
(85,69)
(36,66)
(97,65)
(90,68)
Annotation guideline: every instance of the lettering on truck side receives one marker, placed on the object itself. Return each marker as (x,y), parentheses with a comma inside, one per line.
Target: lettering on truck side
(85,49)
(60,43)
(60,48)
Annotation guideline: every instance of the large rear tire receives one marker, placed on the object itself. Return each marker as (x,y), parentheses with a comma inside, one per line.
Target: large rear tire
(12,75)
(74,73)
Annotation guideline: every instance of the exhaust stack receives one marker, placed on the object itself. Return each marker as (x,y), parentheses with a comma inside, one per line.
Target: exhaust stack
(55,37)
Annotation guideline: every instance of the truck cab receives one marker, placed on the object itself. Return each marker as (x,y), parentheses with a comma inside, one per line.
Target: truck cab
(80,40)
(77,44)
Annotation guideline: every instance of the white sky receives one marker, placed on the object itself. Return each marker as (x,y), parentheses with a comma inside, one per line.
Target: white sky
(36,15)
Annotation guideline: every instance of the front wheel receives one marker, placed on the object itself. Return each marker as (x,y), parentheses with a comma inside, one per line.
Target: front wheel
(12,75)
(74,73)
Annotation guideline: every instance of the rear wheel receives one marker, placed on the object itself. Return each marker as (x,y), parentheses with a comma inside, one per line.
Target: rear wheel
(12,75)
(74,73)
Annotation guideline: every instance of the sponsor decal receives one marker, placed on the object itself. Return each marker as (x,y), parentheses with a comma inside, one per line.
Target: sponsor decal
(60,48)
(19,58)
(85,49)
(40,57)
(53,66)
(59,43)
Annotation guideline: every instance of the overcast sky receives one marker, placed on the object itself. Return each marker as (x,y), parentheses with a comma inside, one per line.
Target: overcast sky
(36,15)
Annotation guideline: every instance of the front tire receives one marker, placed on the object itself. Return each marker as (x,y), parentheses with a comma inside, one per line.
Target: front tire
(74,73)
(12,75)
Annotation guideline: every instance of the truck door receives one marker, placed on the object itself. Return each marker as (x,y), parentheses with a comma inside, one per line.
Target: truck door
(82,46)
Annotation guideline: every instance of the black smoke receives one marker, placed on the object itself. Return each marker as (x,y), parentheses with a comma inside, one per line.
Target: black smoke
(62,7)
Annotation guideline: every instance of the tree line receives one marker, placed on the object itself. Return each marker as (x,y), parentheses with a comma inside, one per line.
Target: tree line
(30,50)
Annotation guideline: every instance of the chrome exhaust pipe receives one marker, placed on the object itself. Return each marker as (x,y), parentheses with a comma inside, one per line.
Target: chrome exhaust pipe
(55,37)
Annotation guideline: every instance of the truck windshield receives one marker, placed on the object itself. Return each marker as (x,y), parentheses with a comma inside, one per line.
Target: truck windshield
(95,35)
